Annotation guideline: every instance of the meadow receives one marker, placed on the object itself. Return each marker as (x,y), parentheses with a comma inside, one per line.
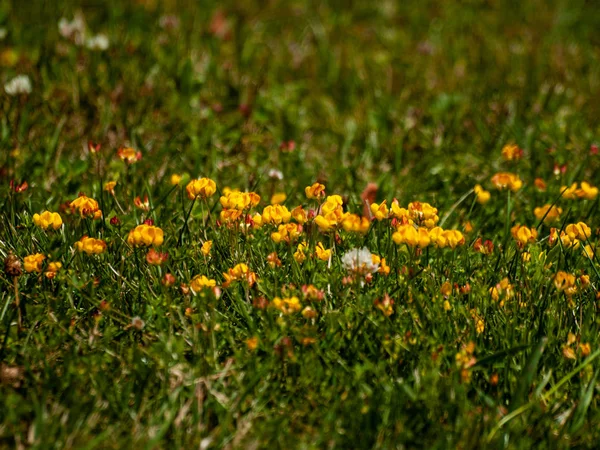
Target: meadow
(299,224)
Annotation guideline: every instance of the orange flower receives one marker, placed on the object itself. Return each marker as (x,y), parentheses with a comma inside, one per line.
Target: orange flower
(90,245)
(109,187)
(203,187)
(317,190)
(512,152)
(241,272)
(129,155)
(87,207)
(506,180)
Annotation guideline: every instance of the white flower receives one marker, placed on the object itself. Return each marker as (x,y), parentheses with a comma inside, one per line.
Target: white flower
(20,84)
(98,42)
(74,30)
(275,174)
(138,323)
(3,33)
(359,261)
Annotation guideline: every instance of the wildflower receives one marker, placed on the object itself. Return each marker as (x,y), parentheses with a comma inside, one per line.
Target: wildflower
(252,343)
(278,198)
(299,215)
(587,191)
(331,213)
(230,215)
(300,253)
(18,188)
(87,207)
(385,305)
(21,84)
(175,179)
(239,200)
(286,232)
(206,247)
(200,282)
(145,235)
(129,155)
(540,184)
(446,305)
(109,187)
(156,258)
(507,180)
(523,235)
(143,205)
(114,221)
(137,323)
(578,230)
(33,263)
(570,193)
(47,219)
(465,359)
(406,234)
(446,238)
(586,348)
(550,213)
(359,261)
(287,305)
(240,272)
(316,191)
(400,213)
(446,289)
(356,224)
(482,195)
(168,280)
(309,313)
(273,260)
(423,214)
(53,269)
(486,248)
(384,269)
(312,294)
(322,253)
(502,291)
(275,174)
(588,250)
(276,214)
(91,246)
(565,282)
(203,187)
(380,211)
(98,42)
(512,152)
(73,30)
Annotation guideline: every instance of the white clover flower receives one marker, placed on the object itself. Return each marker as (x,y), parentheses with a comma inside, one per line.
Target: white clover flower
(20,84)
(275,174)
(98,42)
(359,261)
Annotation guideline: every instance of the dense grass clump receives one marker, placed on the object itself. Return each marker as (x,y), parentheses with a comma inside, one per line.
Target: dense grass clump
(299,224)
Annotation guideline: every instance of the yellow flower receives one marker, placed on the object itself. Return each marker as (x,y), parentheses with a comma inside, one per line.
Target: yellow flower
(384,269)
(206,247)
(200,282)
(322,253)
(145,235)
(175,179)
(446,289)
(33,263)
(565,282)
(385,305)
(203,187)
(502,291)
(47,219)
(299,215)
(356,224)
(90,245)
(240,272)
(230,215)
(287,305)
(587,191)
(512,152)
(53,269)
(551,213)
(507,180)
(286,232)
(380,211)
(278,198)
(423,214)
(239,200)
(276,214)
(570,192)
(109,187)
(317,190)
(482,195)
(86,206)
(523,235)
(129,154)
(300,253)
(578,231)
(406,234)
(252,343)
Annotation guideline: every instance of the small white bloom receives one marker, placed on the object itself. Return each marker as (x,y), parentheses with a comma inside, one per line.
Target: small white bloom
(73,30)
(275,174)
(98,42)
(20,84)
(359,261)
(138,323)
(3,33)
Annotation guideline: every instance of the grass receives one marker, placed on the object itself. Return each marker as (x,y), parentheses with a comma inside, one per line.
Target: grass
(482,336)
